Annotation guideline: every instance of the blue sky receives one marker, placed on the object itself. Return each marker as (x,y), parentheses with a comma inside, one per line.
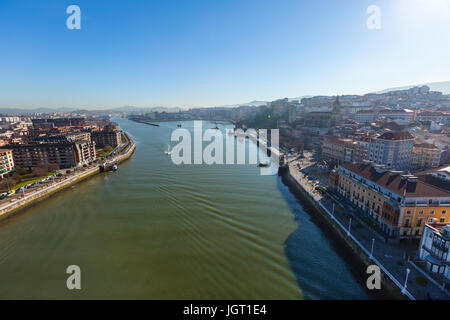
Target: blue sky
(214,52)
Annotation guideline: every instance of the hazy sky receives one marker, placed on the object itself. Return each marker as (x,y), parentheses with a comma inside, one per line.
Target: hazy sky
(214,52)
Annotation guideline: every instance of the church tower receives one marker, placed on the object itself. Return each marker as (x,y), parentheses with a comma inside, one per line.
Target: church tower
(336,116)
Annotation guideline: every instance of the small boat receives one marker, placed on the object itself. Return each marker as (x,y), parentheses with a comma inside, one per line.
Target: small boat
(263,165)
(115,167)
(216,127)
(179,125)
(168,151)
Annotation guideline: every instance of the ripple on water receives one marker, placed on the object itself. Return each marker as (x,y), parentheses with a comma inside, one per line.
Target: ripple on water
(154,230)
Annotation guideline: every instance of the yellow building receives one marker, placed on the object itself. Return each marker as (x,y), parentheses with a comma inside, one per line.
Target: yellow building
(399,203)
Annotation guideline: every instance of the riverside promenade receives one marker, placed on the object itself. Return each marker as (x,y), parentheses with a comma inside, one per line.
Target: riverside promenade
(25,199)
(367,244)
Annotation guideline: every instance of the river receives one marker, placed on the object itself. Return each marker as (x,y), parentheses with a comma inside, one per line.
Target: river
(155,230)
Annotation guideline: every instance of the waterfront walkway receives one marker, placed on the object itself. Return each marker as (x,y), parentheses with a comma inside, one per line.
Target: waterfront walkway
(389,257)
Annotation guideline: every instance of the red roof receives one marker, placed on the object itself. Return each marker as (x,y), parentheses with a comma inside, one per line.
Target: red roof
(395,183)
(403,135)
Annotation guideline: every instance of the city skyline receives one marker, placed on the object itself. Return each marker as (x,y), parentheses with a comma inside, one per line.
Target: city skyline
(205,54)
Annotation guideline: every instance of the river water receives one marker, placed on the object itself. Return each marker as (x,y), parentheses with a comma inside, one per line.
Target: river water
(154,230)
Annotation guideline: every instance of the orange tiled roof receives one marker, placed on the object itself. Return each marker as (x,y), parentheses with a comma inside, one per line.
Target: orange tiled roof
(395,183)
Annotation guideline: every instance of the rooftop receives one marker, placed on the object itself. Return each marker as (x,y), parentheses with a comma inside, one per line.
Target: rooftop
(402,135)
(396,182)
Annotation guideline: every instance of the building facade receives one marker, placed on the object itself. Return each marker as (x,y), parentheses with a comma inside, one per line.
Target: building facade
(400,204)
(6,162)
(62,154)
(434,248)
(106,138)
(392,149)
(361,152)
(337,150)
(425,156)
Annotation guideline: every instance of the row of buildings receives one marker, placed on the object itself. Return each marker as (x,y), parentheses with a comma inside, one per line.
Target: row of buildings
(402,205)
(394,150)
(399,202)
(59,143)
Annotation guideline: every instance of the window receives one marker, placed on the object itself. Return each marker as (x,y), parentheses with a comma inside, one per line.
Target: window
(432,212)
(442,220)
(408,212)
(444,211)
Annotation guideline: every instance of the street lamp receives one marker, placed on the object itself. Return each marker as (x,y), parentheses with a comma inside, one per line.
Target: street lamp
(349,226)
(332,213)
(406,281)
(371,250)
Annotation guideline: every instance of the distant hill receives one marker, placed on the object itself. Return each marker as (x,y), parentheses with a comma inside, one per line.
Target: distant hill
(14,111)
(254,103)
(138,109)
(443,87)
(130,109)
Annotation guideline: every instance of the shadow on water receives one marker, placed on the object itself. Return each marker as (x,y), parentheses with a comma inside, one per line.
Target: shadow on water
(338,273)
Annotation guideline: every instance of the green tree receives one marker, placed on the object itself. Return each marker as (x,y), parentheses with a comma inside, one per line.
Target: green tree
(108,149)
(21,171)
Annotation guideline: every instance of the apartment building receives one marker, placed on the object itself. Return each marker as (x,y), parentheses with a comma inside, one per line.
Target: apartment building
(435,116)
(361,151)
(337,149)
(45,123)
(434,248)
(367,116)
(399,203)
(64,154)
(425,156)
(6,162)
(392,149)
(106,138)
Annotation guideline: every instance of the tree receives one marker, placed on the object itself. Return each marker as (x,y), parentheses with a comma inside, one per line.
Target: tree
(39,171)
(21,171)
(16,176)
(52,167)
(108,149)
